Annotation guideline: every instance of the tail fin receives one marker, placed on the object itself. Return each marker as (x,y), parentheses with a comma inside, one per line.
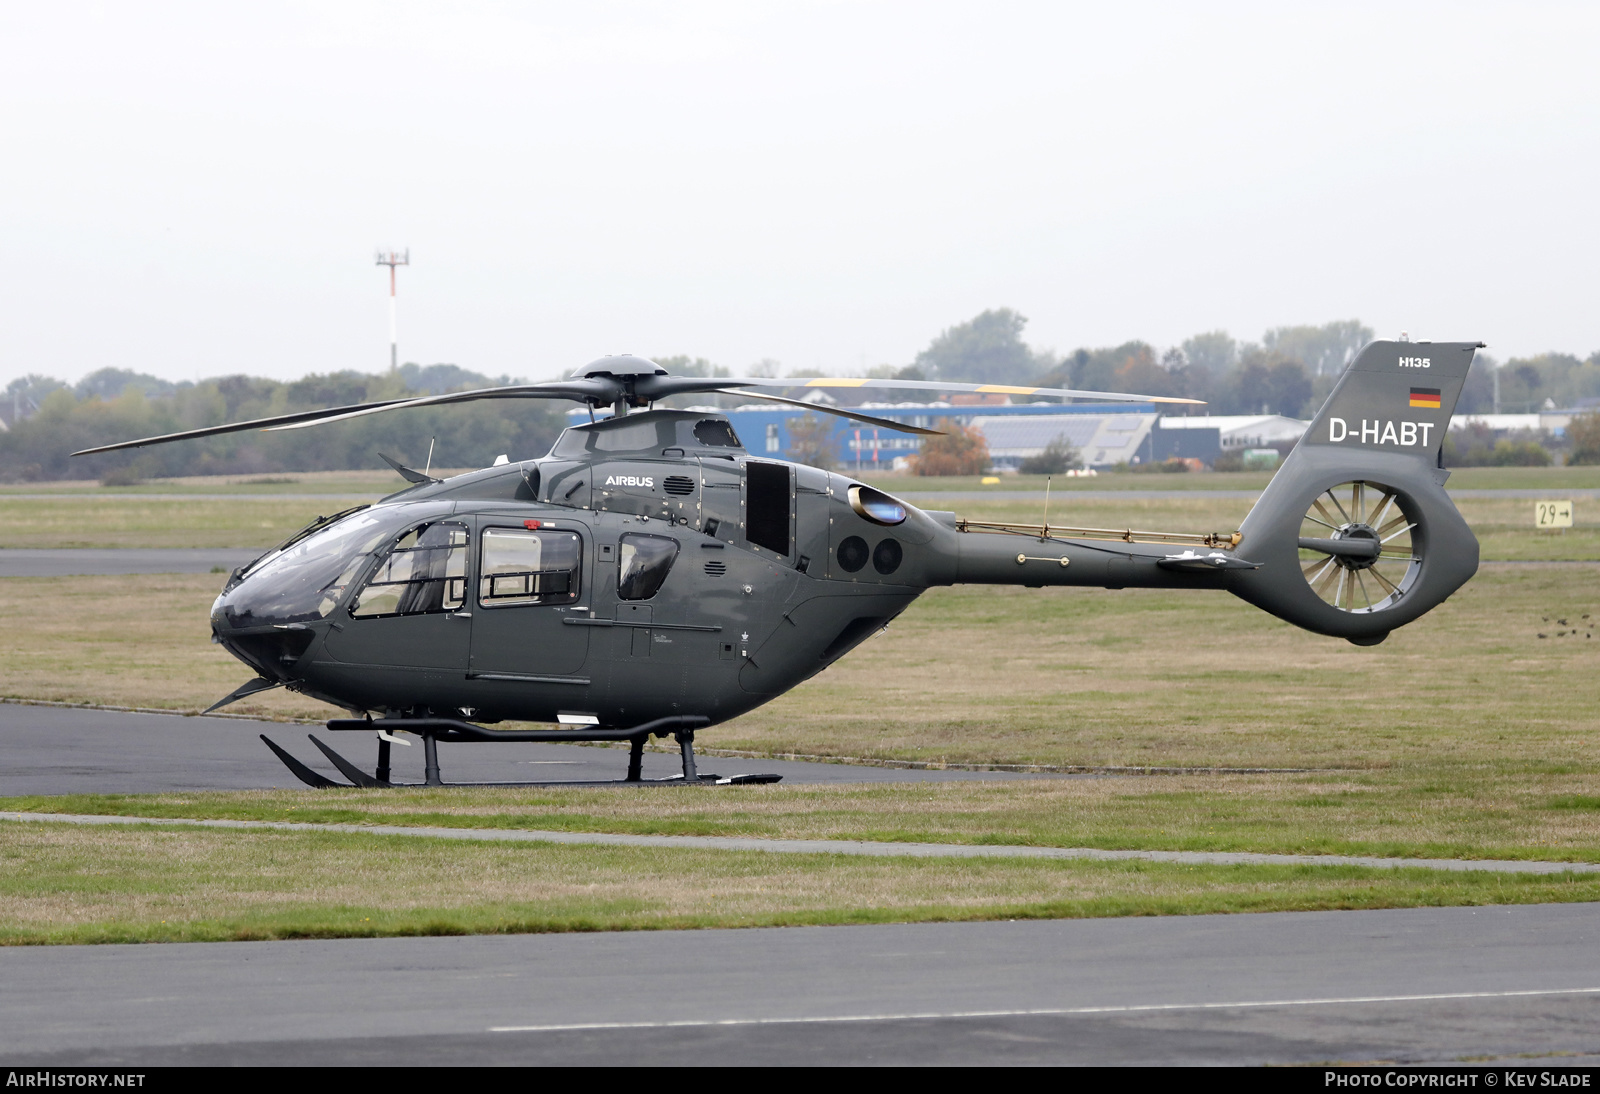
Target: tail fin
(1355,532)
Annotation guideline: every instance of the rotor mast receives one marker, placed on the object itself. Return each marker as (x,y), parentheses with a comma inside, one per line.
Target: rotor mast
(392,259)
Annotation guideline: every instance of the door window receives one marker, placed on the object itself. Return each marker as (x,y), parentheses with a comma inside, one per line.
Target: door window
(425,571)
(518,567)
(644,565)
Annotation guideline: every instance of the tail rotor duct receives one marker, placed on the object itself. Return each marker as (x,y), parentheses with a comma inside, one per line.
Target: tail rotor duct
(1360,550)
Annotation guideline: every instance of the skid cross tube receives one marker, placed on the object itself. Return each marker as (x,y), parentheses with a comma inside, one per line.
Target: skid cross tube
(456,729)
(433,730)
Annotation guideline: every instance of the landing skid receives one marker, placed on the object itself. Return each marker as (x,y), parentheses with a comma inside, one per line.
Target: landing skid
(433,730)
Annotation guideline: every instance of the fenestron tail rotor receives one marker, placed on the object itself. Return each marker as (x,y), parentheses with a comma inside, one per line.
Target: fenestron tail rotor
(1358,550)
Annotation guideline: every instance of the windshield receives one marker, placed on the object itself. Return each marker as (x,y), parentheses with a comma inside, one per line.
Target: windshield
(306,580)
(305,533)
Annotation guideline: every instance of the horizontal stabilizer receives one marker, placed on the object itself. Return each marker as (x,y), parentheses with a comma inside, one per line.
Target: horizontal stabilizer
(1191,562)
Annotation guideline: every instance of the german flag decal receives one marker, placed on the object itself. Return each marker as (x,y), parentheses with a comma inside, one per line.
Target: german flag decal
(1425,397)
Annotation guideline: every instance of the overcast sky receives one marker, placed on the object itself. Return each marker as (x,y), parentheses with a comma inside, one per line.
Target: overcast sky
(190,190)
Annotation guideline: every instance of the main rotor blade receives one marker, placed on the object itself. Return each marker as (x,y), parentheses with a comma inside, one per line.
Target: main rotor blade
(211,431)
(887,423)
(659,387)
(600,390)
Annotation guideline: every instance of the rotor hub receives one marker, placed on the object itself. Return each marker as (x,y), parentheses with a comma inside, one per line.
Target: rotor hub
(1357,531)
(624,370)
(620,366)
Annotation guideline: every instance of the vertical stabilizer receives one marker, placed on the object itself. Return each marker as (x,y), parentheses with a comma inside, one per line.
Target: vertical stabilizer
(1355,532)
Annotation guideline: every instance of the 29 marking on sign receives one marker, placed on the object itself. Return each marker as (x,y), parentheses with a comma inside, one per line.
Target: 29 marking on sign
(1552,514)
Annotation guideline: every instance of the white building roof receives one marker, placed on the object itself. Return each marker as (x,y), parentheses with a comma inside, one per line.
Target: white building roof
(1101,439)
(1242,430)
(1499,421)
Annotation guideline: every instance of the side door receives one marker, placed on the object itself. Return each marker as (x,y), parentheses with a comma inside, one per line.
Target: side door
(410,611)
(530,581)
(648,584)
(644,559)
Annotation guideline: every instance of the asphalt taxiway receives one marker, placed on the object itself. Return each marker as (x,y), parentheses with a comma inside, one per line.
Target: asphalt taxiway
(75,750)
(92,561)
(1416,985)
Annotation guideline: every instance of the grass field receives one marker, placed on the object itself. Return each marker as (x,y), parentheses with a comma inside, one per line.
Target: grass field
(1055,676)
(1504,526)
(264,485)
(1465,735)
(1519,814)
(383,481)
(63,883)
(141,522)
(1464,478)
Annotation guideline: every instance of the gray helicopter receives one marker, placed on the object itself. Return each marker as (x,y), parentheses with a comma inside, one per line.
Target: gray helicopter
(649,577)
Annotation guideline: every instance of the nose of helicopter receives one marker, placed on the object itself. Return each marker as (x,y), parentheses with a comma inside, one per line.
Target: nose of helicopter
(271,612)
(272,649)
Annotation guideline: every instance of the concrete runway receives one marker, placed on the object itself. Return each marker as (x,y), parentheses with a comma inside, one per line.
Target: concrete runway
(92,561)
(1423,985)
(69,750)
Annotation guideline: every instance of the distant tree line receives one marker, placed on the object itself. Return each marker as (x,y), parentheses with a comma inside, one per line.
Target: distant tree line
(1290,370)
(48,419)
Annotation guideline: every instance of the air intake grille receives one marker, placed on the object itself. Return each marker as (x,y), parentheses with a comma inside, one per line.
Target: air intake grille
(716,569)
(678,484)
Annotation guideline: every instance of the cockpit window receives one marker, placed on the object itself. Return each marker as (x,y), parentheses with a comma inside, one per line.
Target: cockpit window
(324,537)
(305,579)
(644,565)
(519,567)
(425,571)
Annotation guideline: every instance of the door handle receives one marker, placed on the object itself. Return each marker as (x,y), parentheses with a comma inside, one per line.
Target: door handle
(459,615)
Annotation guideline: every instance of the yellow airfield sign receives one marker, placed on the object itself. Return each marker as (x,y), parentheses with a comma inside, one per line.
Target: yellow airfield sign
(1553,514)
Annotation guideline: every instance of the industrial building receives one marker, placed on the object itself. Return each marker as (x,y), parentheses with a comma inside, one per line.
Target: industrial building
(1554,421)
(1105,434)
(1236,432)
